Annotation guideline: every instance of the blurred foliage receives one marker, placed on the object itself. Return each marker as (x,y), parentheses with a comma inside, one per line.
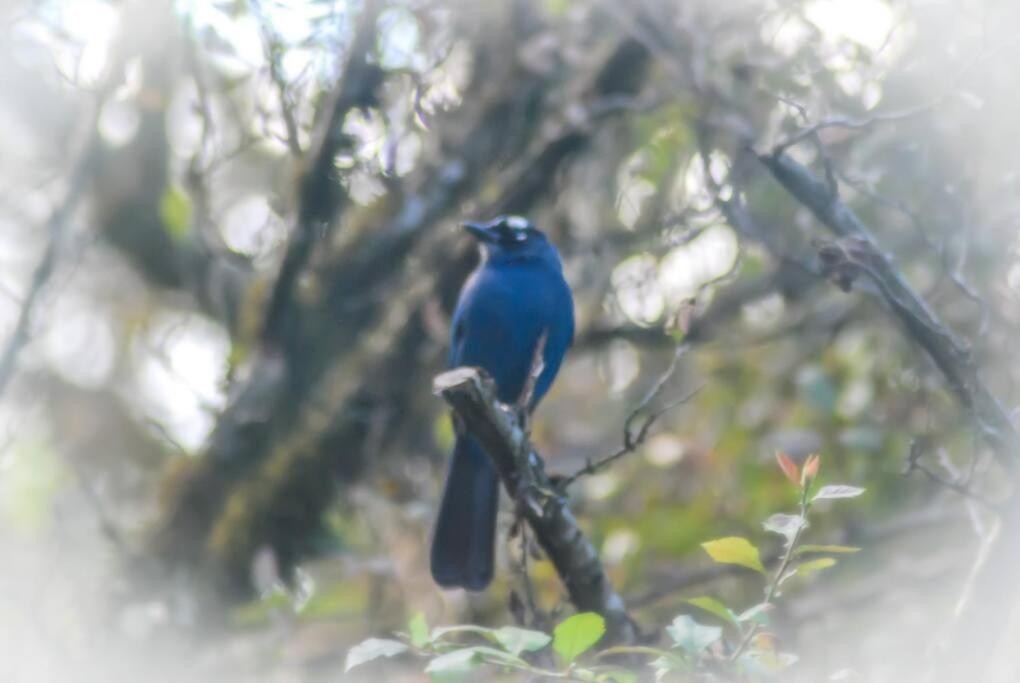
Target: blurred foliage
(185,129)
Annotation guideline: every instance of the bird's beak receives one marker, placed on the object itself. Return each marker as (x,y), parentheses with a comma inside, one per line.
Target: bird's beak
(479,230)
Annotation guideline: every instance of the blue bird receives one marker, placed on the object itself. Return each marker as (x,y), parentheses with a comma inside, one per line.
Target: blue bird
(516,295)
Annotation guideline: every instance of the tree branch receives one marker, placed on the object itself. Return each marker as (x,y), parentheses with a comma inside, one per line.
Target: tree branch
(55,226)
(850,123)
(860,253)
(128,185)
(321,194)
(470,393)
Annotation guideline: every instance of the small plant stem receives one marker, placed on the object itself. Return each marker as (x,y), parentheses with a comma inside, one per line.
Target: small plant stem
(784,565)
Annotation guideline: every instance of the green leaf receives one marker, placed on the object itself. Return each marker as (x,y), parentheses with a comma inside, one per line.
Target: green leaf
(833,491)
(419,630)
(787,526)
(373,648)
(175,212)
(575,635)
(691,636)
(456,662)
(841,549)
(812,566)
(734,550)
(517,640)
(713,606)
(469,658)
(443,433)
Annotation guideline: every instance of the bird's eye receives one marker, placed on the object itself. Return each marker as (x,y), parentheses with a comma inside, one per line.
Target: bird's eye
(520,235)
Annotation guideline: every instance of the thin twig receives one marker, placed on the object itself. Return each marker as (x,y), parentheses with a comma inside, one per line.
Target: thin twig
(849,123)
(914,463)
(273,48)
(204,105)
(532,615)
(633,440)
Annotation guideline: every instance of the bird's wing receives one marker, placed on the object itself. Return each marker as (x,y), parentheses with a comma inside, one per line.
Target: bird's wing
(496,328)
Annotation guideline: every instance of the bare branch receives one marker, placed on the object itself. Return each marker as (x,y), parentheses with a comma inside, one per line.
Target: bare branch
(850,123)
(858,252)
(915,464)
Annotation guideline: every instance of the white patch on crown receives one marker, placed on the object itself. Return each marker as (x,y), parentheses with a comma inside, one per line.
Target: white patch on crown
(518,223)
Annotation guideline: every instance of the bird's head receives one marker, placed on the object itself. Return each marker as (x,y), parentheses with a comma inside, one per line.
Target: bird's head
(511,238)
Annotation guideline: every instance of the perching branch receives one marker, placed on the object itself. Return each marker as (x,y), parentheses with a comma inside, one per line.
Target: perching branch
(471,395)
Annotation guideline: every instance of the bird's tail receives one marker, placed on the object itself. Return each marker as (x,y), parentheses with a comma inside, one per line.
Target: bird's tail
(463,545)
